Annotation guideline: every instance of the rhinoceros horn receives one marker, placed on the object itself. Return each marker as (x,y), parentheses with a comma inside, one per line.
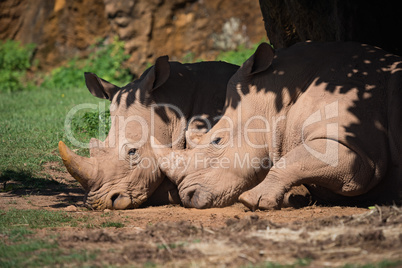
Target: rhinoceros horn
(83,169)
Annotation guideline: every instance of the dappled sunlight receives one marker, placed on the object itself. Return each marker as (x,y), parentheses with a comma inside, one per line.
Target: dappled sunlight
(326,110)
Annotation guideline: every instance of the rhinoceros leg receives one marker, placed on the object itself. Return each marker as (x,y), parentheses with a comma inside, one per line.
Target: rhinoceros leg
(342,170)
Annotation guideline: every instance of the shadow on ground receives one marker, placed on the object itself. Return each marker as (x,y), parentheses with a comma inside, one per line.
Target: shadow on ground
(21,183)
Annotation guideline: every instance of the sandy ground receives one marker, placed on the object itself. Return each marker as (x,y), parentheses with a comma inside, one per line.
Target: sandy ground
(222,237)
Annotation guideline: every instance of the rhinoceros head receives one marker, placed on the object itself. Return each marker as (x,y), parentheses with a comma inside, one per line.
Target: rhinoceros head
(229,159)
(121,172)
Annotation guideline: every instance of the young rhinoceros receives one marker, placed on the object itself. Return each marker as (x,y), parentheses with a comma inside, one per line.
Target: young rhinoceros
(122,172)
(326,115)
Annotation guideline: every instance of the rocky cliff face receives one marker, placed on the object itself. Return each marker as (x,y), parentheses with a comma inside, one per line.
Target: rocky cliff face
(61,29)
(150,28)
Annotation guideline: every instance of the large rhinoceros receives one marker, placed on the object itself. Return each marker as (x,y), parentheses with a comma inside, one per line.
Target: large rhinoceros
(122,172)
(325,115)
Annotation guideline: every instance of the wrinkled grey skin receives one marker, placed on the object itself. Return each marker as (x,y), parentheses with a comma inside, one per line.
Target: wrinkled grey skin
(334,124)
(122,172)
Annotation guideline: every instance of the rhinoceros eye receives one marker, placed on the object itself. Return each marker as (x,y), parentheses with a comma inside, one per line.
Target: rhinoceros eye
(132,152)
(216,141)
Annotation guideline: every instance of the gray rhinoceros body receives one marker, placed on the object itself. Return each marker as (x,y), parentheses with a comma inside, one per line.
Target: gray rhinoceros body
(326,115)
(122,171)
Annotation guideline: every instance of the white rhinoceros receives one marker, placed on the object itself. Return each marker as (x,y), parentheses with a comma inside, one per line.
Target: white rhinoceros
(122,172)
(325,115)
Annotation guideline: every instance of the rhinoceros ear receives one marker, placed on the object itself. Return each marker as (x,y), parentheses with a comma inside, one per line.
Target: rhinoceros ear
(100,88)
(260,60)
(158,74)
(162,71)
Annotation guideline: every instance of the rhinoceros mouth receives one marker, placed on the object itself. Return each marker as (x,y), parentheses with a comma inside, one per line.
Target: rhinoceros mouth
(116,200)
(120,201)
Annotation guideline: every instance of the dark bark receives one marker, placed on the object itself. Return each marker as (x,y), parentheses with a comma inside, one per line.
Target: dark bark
(373,22)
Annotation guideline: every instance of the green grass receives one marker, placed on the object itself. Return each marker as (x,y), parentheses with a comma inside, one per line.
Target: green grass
(381,264)
(15,59)
(39,253)
(307,262)
(112,224)
(32,124)
(240,55)
(106,60)
(33,219)
(16,233)
(298,263)
(17,223)
(92,124)
(20,248)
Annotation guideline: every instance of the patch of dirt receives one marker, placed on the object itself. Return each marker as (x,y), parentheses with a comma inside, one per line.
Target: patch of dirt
(174,236)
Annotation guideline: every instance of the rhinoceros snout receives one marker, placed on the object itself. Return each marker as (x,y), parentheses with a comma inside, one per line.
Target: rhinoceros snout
(196,198)
(120,201)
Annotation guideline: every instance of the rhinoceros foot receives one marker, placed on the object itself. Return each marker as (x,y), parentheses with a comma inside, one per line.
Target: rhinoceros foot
(255,199)
(297,197)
